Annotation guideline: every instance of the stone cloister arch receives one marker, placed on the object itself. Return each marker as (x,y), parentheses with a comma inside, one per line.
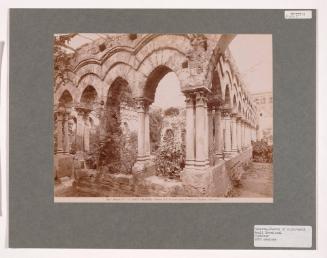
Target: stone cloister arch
(65,103)
(219,119)
(143,103)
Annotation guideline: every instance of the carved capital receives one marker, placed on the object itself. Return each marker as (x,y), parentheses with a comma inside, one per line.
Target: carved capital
(226,114)
(238,119)
(60,113)
(189,99)
(83,109)
(201,98)
(142,105)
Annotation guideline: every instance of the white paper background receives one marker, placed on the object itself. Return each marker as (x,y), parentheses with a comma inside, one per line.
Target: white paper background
(320,5)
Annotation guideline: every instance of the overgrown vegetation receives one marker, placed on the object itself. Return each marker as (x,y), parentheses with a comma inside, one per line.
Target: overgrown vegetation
(156,123)
(62,53)
(170,158)
(118,153)
(172,111)
(262,152)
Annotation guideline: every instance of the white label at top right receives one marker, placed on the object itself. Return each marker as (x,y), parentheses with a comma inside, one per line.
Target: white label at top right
(298,14)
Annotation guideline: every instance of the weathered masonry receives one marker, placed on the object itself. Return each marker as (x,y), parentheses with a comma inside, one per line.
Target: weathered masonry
(221,117)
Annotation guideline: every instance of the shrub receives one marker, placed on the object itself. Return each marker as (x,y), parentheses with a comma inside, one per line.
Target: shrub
(118,152)
(128,152)
(156,121)
(172,111)
(262,152)
(170,158)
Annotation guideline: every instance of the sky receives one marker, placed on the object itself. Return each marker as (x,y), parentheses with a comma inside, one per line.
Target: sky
(253,57)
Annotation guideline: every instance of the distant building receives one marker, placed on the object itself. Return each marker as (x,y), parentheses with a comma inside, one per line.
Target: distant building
(264,102)
(174,126)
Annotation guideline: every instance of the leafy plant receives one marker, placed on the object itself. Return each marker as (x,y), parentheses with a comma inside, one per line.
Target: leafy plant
(262,152)
(172,111)
(170,158)
(128,152)
(118,152)
(61,55)
(156,123)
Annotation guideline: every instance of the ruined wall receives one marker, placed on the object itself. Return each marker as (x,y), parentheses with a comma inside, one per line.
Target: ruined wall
(218,181)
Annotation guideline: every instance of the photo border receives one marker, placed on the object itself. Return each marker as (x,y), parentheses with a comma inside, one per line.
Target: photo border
(35,221)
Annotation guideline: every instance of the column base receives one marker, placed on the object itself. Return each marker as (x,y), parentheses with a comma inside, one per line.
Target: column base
(196,180)
(143,167)
(63,165)
(228,154)
(189,163)
(201,164)
(143,158)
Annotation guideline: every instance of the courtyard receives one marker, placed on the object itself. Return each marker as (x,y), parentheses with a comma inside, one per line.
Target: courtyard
(158,115)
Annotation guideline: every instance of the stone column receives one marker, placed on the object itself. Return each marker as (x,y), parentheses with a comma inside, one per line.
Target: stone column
(80,131)
(218,134)
(190,131)
(227,134)
(242,134)
(147,147)
(103,117)
(210,132)
(246,137)
(72,133)
(258,134)
(66,133)
(59,130)
(234,137)
(238,133)
(249,134)
(86,134)
(252,134)
(201,122)
(141,130)
(206,131)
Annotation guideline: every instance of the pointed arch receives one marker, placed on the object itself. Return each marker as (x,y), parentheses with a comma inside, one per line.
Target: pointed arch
(89,95)
(66,99)
(227,98)
(216,88)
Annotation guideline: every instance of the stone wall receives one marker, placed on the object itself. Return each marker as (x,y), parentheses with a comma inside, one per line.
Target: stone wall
(63,165)
(217,181)
(108,185)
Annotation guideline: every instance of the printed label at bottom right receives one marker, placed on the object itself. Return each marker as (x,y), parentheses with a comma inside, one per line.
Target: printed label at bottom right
(282,236)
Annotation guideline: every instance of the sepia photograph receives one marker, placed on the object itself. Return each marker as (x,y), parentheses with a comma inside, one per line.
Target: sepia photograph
(163,117)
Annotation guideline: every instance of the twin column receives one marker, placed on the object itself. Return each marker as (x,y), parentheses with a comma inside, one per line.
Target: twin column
(143,139)
(197,130)
(82,131)
(62,131)
(230,135)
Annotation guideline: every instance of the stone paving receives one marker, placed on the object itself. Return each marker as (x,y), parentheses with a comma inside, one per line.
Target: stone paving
(257,181)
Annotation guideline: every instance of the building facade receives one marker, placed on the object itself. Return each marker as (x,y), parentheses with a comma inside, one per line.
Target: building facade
(264,103)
